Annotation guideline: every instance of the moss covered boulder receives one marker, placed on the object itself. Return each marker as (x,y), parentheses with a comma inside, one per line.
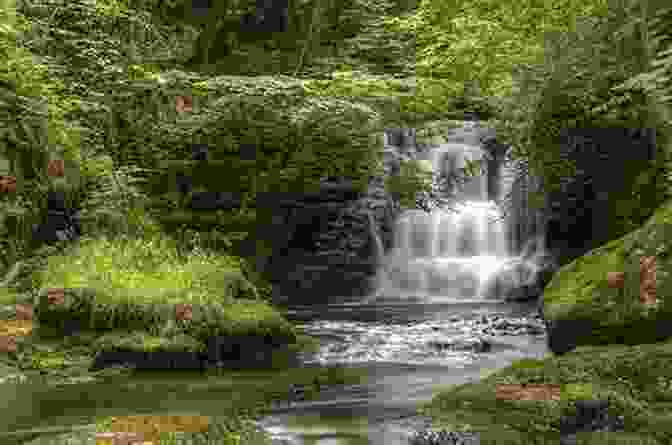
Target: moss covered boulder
(635,380)
(580,308)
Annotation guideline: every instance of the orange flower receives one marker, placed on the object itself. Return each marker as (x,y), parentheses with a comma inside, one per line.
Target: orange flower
(647,280)
(24,311)
(56,296)
(7,184)
(528,392)
(184,104)
(7,343)
(56,168)
(16,327)
(616,280)
(183,312)
(119,438)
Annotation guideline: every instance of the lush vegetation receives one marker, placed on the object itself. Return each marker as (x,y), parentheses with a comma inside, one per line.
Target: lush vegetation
(95,83)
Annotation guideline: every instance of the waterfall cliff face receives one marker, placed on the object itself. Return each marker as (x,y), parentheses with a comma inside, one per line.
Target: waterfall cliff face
(337,244)
(327,247)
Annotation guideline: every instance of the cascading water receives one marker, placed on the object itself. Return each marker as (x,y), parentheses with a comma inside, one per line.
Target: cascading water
(452,254)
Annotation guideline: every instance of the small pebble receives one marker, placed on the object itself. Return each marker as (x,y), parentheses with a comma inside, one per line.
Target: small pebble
(443,437)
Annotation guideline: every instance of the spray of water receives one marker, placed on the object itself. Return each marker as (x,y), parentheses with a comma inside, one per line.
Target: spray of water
(456,254)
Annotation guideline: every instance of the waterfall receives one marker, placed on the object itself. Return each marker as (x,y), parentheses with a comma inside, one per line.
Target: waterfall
(452,254)
(378,249)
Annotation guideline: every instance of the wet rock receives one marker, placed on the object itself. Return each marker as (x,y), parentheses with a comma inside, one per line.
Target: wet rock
(521,280)
(591,416)
(497,326)
(563,335)
(478,345)
(483,346)
(331,227)
(443,437)
(296,393)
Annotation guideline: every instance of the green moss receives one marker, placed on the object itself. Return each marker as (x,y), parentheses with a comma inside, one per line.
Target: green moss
(527,363)
(576,282)
(577,391)
(636,380)
(145,271)
(139,341)
(580,287)
(54,360)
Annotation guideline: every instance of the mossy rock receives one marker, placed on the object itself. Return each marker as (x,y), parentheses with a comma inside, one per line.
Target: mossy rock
(82,311)
(580,308)
(143,342)
(240,319)
(54,360)
(142,351)
(635,379)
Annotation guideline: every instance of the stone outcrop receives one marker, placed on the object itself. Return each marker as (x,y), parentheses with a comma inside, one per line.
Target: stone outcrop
(327,244)
(581,306)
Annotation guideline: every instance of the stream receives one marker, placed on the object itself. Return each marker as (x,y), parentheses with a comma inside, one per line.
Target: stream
(409,350)
(410,344)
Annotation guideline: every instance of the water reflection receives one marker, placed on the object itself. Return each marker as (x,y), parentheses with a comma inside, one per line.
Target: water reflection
(406,350)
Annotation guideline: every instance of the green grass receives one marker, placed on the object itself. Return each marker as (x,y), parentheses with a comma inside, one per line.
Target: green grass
(143,270)
(636,379)
(527,363)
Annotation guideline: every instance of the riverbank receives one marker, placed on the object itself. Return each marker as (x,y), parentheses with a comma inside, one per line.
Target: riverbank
(156,309)
(637,381)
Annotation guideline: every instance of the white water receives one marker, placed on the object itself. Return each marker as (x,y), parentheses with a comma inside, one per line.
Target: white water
(453,254)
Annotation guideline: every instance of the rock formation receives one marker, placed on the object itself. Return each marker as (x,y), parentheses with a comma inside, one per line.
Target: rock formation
(581,307)
(327,244)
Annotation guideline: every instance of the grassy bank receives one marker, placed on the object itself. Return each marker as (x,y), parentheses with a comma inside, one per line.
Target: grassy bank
(636,379)
(123,292)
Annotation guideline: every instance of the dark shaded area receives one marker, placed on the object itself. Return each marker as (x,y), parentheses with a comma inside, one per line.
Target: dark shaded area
(584,212)
(563,335)
(199,152)
(270,16)
(61,223)
(401,137)
(591,416)
(204,200)
(200,8)
(248,152)
(250,352)
(214,201)
(148,360)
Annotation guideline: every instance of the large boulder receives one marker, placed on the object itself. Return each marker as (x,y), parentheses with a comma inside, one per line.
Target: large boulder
(581,307)
(520,280)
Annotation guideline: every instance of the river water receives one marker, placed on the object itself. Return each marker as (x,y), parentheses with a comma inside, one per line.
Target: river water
(410,344)
(410,350)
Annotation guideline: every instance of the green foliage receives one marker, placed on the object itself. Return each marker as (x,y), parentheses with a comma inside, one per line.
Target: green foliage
(582,82)
(413,179)
(147,269)
(458,42)
(527,364)
(141,341)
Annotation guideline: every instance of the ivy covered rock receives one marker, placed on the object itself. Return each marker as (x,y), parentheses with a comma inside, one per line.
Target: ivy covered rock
(582,308)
